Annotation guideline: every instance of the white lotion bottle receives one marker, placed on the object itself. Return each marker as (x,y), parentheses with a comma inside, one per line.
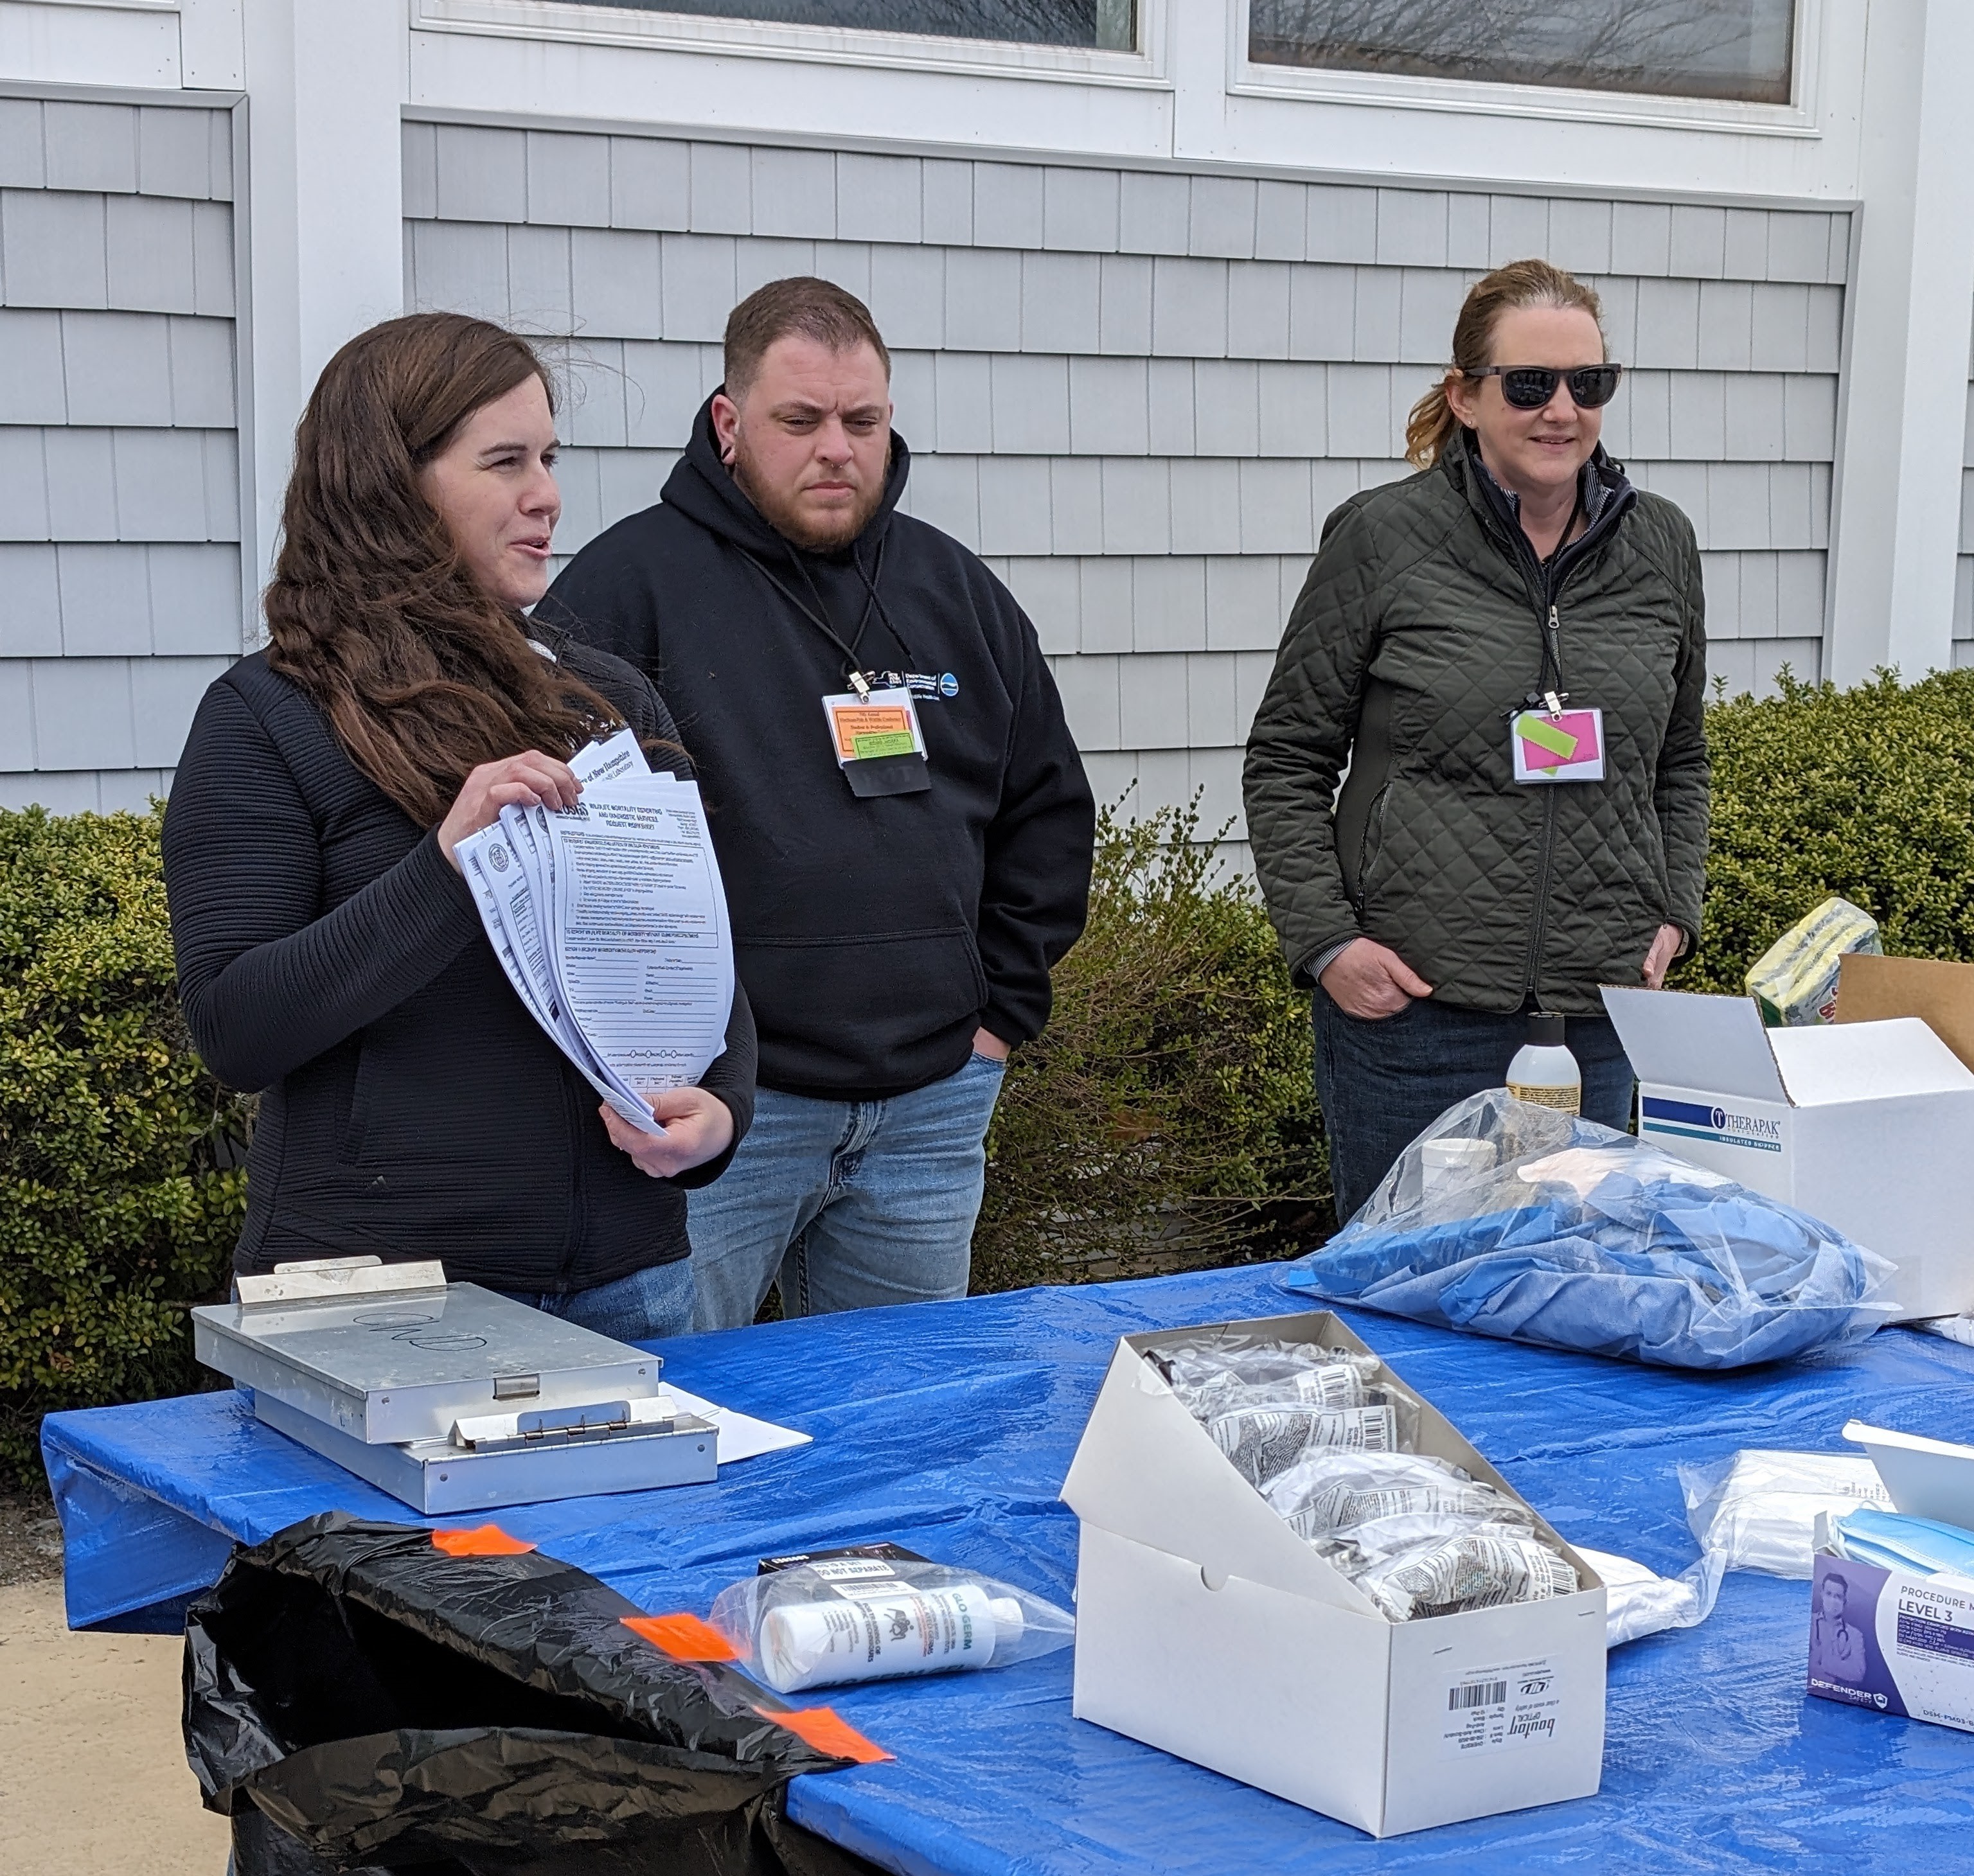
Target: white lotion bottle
(1544,1070)
(873,1632)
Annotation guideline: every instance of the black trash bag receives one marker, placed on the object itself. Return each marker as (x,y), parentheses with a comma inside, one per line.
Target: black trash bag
(387,1705)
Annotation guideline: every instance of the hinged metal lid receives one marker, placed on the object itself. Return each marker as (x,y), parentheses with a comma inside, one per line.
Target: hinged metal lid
(350,1279)
(384,1356)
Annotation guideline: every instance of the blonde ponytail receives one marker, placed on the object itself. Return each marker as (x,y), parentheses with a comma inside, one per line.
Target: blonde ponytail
(1430,428)
(1432,425)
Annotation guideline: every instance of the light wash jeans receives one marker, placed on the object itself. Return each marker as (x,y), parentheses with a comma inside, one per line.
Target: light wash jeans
(643,1307)
(851,1204)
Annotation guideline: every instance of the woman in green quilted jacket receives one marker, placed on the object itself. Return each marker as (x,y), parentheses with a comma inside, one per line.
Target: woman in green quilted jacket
(1507,651)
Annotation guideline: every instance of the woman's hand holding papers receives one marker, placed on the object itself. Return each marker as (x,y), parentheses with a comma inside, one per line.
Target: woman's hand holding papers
(698,1126)
(529,780)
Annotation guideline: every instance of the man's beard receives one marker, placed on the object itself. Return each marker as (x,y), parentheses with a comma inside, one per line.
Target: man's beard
(825,537)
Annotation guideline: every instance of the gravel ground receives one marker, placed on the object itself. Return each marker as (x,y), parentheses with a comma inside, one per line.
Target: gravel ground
(30,1540)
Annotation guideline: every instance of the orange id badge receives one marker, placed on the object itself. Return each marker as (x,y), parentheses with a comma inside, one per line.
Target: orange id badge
(876,741)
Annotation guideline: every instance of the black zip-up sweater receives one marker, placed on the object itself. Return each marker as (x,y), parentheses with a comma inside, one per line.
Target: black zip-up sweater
(330,956)
(874,935)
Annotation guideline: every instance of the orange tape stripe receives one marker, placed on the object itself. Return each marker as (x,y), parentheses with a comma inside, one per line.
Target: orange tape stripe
(826,1731)
(684,1637)
(486,1541)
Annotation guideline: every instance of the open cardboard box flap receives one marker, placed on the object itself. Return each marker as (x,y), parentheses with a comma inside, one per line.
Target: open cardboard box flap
(1926,1478)
(1146,1470)
(1941,994)
(1677,1039)
(1674,1036)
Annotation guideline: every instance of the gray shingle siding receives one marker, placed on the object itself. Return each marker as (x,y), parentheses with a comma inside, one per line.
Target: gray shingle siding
(1137,393)
(119,494)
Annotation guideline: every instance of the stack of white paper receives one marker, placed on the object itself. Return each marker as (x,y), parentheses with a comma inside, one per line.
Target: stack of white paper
(609,919)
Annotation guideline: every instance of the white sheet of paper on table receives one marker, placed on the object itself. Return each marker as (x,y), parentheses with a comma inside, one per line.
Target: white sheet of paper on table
(741,1436)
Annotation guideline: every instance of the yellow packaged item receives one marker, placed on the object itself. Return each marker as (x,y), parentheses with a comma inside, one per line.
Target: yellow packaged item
(1794,980)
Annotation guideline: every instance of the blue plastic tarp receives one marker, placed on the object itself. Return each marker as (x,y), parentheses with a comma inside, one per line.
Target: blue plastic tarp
(948,1427)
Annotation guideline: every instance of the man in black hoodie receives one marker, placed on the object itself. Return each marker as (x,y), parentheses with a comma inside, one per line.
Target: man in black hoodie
(900,816)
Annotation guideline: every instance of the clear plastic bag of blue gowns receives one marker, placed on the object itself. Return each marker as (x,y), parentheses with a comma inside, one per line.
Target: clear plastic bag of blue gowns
(1519,1221)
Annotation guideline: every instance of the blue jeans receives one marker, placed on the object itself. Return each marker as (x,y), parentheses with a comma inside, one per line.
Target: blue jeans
(646,1306)
(851,1204)
(1382,1084)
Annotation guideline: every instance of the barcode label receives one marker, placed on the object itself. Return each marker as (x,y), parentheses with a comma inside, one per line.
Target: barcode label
(1498,1706)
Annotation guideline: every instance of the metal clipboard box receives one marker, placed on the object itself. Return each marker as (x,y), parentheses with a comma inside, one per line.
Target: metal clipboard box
(447,1395)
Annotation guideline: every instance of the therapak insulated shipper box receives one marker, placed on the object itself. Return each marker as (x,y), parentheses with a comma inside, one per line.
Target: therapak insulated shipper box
(1867,1126)
(1206,1628)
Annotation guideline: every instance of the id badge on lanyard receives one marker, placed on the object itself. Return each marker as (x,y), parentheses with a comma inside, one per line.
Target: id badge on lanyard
(1557,745)
(875,737)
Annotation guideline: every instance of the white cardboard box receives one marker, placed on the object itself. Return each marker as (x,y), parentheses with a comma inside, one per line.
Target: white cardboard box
(1206,1628)
(1926,1478)
(1867,1126)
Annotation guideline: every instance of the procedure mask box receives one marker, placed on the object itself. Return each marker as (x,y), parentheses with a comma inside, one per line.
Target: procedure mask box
(1892,1640)
(1206,1628)
(1867,1126)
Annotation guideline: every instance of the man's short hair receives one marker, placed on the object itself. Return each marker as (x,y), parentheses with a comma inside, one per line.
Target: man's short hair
(818,309)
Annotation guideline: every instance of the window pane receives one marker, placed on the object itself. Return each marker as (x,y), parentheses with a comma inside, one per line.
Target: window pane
(1110,25)
(1683,48)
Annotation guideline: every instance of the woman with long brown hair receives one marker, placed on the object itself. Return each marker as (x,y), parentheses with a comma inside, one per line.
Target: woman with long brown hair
(329,953)
(1508,650)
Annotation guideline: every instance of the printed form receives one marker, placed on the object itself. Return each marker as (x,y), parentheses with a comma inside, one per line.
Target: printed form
(610,920)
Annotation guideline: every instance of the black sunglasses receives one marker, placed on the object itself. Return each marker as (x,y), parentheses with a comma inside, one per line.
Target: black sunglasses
(1529,387)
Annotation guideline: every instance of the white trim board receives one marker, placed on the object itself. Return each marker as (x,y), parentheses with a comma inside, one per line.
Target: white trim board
(1801,117)
(167,98)
(724,37)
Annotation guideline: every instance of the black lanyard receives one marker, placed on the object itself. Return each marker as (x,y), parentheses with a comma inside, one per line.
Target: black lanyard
(817,615)
(1547,563)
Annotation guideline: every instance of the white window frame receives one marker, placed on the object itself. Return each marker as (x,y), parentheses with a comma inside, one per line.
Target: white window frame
(569,19)
(1801,118)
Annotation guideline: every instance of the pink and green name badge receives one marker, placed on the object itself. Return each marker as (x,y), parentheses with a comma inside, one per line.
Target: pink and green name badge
(1558,745)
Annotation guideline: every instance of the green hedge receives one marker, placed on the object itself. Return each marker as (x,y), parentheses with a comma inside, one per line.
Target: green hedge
(1164,1121)
(120,1187)
(1867,793)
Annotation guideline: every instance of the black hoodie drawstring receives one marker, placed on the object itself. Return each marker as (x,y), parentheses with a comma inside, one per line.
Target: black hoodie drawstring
(871,580)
